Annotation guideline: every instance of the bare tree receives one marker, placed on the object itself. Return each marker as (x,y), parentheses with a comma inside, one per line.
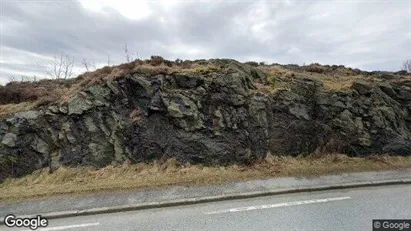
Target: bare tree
(89,64)
(24,78)
(86,64)
(12,79)
(61,66)
(406,65)
(129,54)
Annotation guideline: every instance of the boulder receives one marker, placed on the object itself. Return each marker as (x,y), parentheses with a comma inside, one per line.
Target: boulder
(362,87)
(9,139)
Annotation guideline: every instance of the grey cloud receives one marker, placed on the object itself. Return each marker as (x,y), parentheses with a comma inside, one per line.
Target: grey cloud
(363,34)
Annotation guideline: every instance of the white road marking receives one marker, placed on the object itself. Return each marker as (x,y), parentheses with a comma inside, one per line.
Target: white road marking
(285,204)
(68,226)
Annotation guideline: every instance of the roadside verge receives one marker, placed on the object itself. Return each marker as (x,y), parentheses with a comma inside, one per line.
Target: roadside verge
(78,205)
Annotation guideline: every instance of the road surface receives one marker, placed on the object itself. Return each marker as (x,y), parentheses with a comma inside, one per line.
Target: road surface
(350,209)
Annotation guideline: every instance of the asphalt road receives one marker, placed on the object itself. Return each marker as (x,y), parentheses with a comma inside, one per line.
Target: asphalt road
(351,209)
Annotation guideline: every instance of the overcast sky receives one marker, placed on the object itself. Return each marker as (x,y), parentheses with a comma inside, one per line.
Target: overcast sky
(370,35)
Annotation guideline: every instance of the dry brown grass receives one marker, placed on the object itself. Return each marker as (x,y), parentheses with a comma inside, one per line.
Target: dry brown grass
(336,83)
(21,96)
(44,92)
(345,82)
(152,67)
(271,89)
(136,115)
(17,92)
(9,109)
(164,69)
(274,71)
(316,68)
(86,180)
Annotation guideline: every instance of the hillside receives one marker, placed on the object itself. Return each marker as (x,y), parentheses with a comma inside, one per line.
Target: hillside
(214,112)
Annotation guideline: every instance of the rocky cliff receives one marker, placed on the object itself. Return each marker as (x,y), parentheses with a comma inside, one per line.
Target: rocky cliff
(219,112)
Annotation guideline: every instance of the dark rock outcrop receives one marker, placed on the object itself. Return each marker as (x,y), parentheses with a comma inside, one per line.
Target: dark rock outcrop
(218,118)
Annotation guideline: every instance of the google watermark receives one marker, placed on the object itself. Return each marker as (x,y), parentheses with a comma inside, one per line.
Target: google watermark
(33,222)
(391,225)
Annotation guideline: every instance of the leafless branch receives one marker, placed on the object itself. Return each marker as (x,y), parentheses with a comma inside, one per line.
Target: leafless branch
(12,79)
(85,64)
(89,64)
(24,78)
(61,66)
(129,54)
(406,66)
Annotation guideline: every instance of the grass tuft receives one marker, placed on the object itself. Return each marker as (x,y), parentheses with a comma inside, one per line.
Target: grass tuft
(169,172)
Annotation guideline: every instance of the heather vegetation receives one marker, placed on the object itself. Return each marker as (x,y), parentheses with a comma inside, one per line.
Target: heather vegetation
(49,91)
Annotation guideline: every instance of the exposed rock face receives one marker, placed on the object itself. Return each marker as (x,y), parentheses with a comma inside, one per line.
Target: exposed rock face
(217,118)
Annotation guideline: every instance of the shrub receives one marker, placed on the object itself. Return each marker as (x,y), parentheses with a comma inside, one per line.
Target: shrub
(252,63)
(18,92)
(316,68)
(403,72)
(18,96)
(201,61)
(186,64)
(272,79)
(106,69)
(178,61)
(206,69)
(356,71)
(168,63)
(156,60)
(139,62)
(126,67)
